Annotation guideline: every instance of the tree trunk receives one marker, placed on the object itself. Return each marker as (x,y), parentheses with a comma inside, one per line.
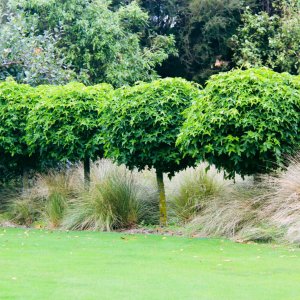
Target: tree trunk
(257,179)
(162,198)
(87,172)
(25,179)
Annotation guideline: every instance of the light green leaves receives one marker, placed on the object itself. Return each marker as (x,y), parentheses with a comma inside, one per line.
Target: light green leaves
(142,123)
(244,121)
(66,123)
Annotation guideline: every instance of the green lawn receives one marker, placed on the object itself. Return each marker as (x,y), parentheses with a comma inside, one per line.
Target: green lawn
(36,264)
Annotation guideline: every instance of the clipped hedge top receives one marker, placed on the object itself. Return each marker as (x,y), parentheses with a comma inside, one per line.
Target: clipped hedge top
(143,121)
(245,121)
(65,124)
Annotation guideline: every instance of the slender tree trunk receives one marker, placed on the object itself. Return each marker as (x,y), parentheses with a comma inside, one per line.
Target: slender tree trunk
(257,178)
(162,198)
(25,179)
(87,172)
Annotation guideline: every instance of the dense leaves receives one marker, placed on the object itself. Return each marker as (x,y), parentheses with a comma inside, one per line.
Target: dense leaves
(101,44)
(16,100)
(244,121)
(207,28)
(30,57)
(65,125)
(143,121)
(270,40)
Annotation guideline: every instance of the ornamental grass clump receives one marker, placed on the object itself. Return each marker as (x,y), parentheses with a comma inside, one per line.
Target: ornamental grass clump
(46,200)
(115,200)
(282,207)
(191,190)
(58,188)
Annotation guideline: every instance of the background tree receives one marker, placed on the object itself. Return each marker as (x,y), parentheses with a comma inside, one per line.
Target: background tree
(65,125)
(30,57)
(203,30)
(101,44)
(270,40)
(203,39)
(141,125)
(245,122)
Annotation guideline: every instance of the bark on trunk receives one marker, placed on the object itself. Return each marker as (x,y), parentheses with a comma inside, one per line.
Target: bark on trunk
(25,179)
(87,172)
(162,198)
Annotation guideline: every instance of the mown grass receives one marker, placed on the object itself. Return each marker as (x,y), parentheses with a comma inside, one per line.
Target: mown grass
(41,264)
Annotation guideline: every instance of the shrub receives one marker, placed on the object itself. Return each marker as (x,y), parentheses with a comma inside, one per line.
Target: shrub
(141,126)
(244,121)
(16,100)
(65,125)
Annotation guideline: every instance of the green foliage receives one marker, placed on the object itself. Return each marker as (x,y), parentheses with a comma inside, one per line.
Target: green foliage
(270,40)
(101,44)
(65,124)
(204,35)
(16,100)
(202,29)
(30,57)
(142,122)
(244,121)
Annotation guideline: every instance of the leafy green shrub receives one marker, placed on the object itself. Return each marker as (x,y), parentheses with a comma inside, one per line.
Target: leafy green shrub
(114,201)
(244,121)
(271,40)
(141,126)
(65,124)
(16,100)
(191,190)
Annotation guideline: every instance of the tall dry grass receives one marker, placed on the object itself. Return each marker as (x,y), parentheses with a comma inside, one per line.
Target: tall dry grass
(282,206)
(203,202)
(268,210)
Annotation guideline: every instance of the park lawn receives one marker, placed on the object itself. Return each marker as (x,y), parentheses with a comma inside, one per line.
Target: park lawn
(41,264)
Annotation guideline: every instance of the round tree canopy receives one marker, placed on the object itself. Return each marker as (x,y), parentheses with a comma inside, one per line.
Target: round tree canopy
(245,122)
(16,100)
(65,124)
(143,121)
